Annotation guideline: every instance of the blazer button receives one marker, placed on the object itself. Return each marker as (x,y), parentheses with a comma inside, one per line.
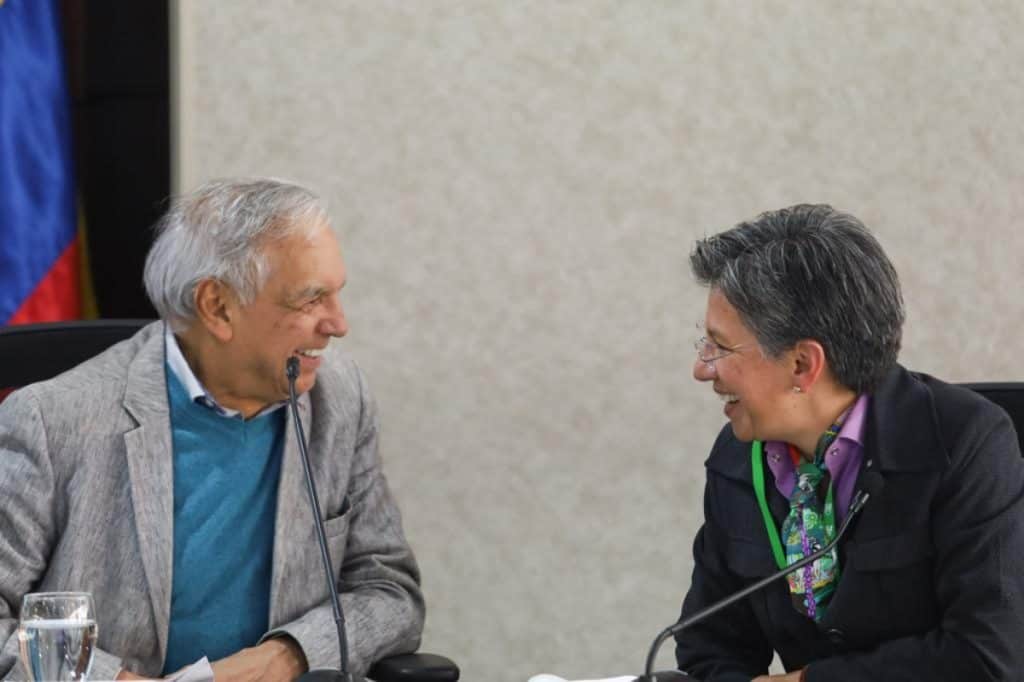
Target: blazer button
(836,636)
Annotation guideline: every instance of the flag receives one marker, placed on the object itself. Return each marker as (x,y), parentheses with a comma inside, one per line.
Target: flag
(40,249)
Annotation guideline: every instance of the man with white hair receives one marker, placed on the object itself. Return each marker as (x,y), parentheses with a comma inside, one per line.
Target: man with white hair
(163,475)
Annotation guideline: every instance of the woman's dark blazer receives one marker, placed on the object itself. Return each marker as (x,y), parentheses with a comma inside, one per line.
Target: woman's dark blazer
(932,584)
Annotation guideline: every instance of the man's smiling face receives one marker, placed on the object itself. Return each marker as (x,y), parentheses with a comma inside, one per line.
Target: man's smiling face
(297,312)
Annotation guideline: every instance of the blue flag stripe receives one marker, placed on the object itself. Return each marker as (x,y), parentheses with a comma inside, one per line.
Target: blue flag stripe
(37,206)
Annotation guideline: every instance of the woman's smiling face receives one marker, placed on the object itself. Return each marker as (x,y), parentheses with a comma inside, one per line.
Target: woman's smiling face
(757,390)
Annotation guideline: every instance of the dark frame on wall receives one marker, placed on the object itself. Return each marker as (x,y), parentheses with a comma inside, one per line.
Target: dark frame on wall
(118,77)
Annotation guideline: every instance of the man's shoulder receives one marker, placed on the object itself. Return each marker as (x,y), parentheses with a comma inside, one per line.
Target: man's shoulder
(340,379)
(340,397)
(98,381)
(339,366)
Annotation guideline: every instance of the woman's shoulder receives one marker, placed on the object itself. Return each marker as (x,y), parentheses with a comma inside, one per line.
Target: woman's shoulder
(963,418)
(956,403)
(730,457)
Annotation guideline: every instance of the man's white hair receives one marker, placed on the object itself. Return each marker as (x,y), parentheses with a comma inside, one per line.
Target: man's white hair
(221,231)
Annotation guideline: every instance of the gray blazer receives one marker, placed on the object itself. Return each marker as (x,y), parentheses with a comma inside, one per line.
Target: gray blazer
(86,503)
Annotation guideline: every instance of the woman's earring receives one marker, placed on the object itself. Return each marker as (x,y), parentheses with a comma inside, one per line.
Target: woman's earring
(797,389)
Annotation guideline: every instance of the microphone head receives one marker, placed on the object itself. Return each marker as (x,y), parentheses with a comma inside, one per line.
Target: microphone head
(291,368)
(872,483)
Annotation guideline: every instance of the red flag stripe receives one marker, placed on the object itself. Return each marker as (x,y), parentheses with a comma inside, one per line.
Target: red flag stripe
(56,297)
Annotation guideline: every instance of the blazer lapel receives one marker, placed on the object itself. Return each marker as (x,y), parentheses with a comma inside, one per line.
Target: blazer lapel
(902,429)
(290,545)
(901,444)
(150,467)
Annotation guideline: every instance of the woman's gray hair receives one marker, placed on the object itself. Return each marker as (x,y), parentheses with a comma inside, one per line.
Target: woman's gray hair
(220,231)
(810,272)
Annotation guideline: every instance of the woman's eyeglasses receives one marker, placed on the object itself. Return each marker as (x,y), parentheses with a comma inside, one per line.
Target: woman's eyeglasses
(709,352)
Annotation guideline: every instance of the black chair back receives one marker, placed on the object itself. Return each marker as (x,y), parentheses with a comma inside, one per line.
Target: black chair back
(35,352)
(1008,395)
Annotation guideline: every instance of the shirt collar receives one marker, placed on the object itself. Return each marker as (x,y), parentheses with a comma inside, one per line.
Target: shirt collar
(853,427)
(197,393)
(850,438)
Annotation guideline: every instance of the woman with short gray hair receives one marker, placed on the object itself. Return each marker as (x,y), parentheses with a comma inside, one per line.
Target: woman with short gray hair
(801,337)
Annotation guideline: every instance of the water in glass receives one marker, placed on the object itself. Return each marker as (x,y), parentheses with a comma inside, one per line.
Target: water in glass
(57,633)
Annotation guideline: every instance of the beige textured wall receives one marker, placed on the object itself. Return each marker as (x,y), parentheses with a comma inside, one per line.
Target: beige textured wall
(518,185)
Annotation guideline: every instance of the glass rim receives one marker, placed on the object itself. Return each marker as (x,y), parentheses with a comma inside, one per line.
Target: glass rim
(75,602)
(57,594)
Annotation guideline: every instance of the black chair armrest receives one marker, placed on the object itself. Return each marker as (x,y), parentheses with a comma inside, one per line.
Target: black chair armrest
(414,668)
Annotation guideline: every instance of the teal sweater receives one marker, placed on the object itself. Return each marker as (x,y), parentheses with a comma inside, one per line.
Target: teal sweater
(225,498)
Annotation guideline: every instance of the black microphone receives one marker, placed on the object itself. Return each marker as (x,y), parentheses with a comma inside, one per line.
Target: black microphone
(321,674)
(871,485)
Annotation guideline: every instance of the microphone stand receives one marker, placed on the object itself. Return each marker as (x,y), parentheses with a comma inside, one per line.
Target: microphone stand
(321,674)
(873,483)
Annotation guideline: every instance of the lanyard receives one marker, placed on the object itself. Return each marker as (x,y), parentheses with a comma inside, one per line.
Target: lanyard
(829,517)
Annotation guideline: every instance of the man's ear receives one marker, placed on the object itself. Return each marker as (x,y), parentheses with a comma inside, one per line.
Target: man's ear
(808,364)
(215,307)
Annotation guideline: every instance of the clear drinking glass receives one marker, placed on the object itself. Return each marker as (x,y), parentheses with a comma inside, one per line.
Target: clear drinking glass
(57,633)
